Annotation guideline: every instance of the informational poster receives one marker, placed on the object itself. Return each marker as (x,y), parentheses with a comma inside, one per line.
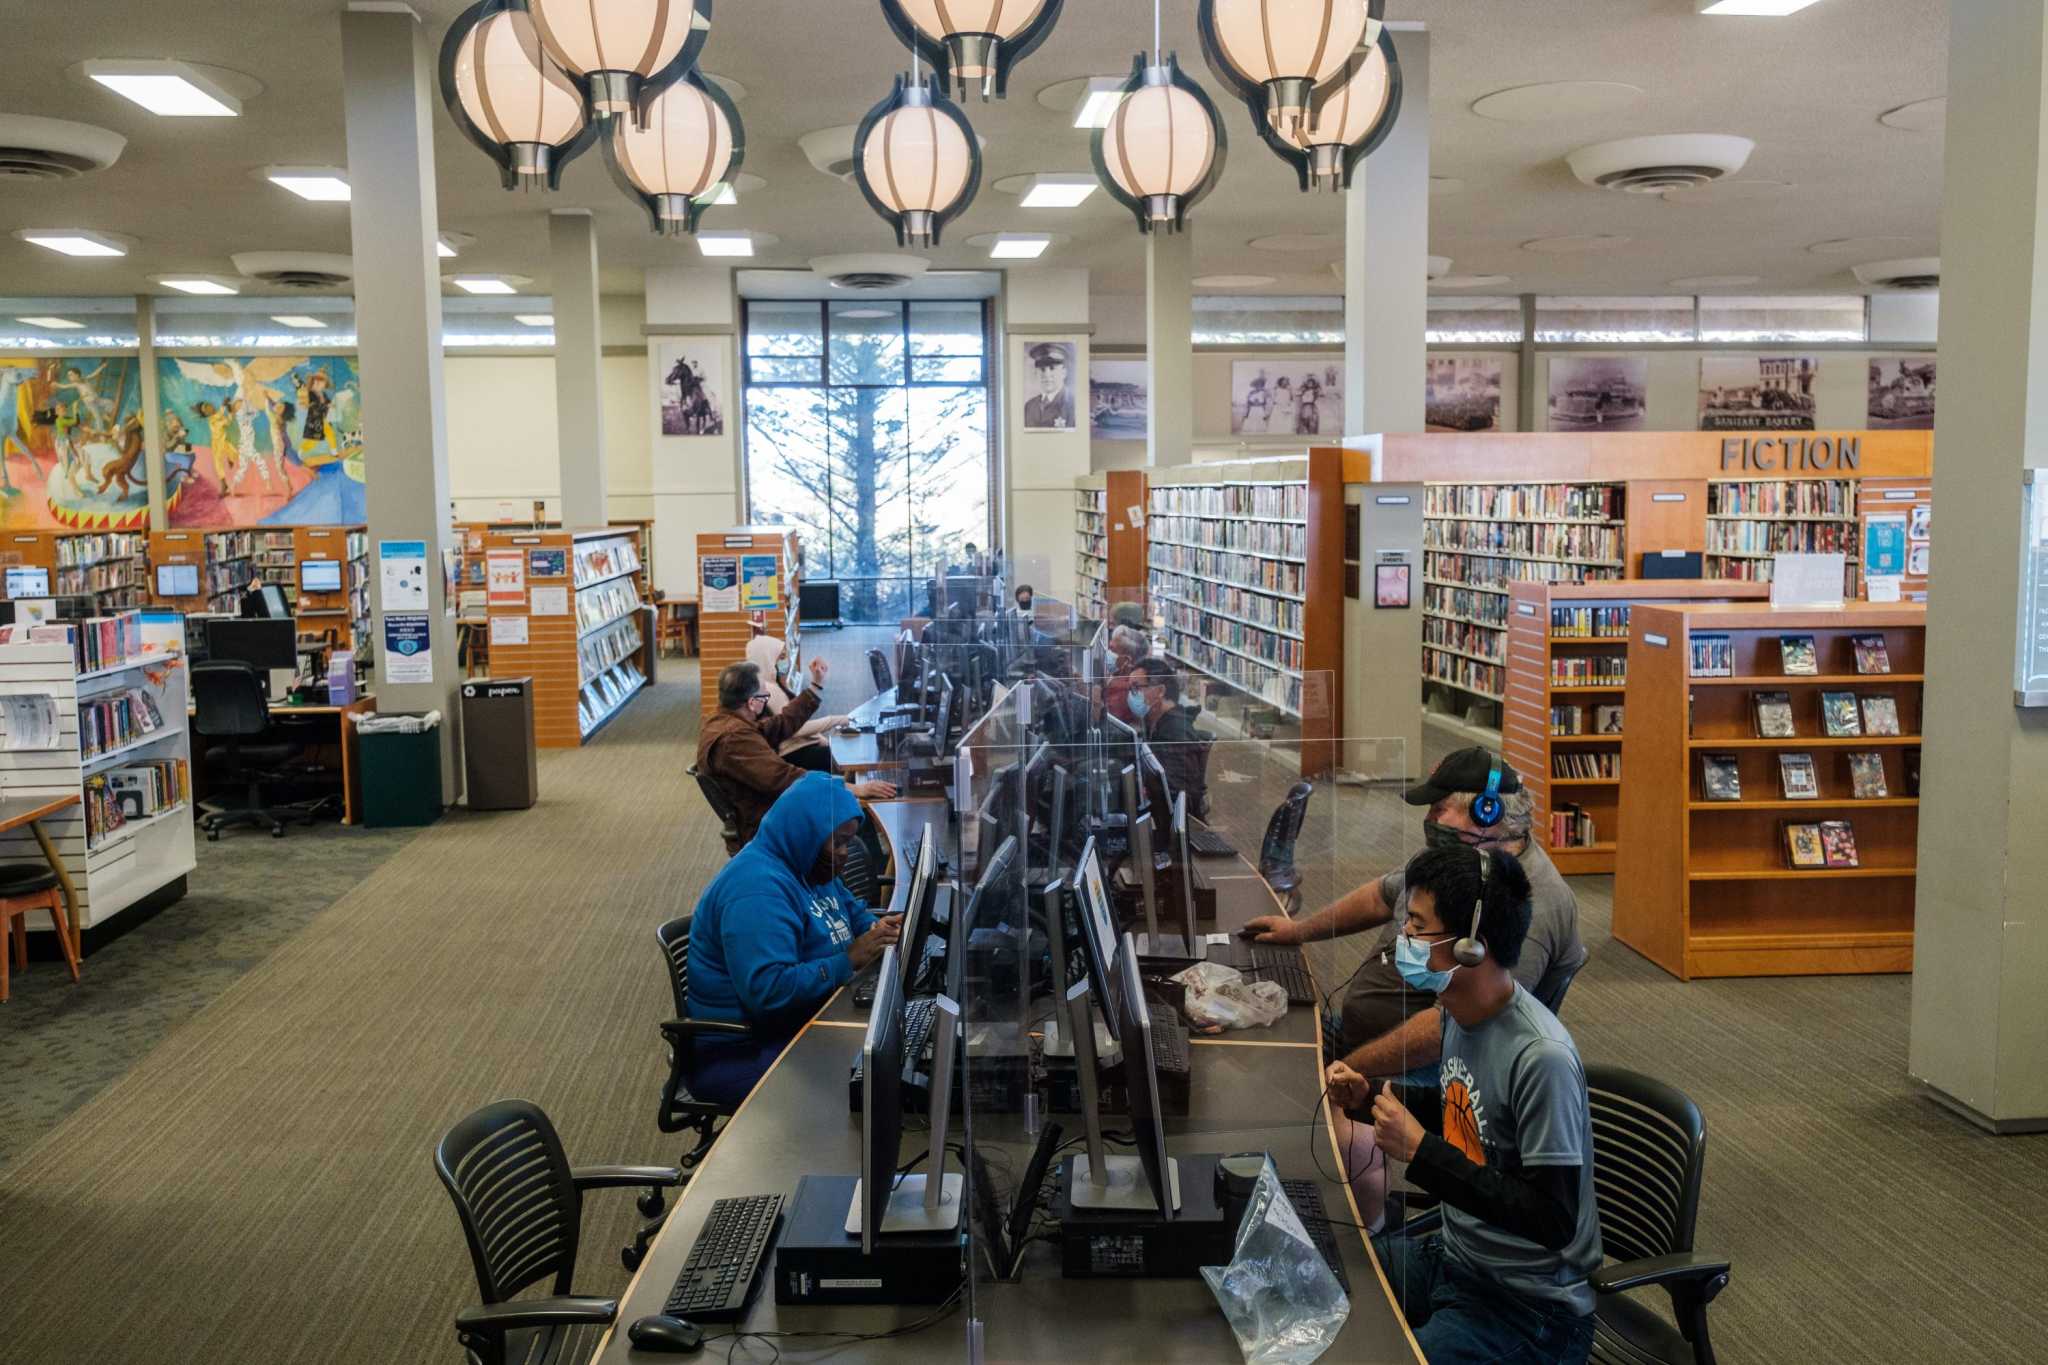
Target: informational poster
(721,591)
(550,601)
(402,571)
(759,582)
(508,630)
(547,563)
(505,578)
(408,645)
(1884,555)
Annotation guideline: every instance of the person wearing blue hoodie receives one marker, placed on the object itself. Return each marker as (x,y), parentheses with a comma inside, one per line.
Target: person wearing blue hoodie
(777,932)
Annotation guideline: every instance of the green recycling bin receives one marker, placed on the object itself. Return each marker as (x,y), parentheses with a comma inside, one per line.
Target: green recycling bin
(401,775)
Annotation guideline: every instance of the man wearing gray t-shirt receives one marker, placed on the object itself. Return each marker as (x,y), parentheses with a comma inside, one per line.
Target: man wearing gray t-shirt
(1505,1141)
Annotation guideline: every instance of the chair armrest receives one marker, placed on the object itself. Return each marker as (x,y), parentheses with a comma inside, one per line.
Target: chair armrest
(623,1177)
(682,1030)
(495,1319)
(1704,1276)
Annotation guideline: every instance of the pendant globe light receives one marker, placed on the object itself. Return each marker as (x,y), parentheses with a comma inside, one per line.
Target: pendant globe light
(1274,54)
(691,143)
(622,52)
(509,97)
(916,159)
(1347,122)
(1163,147)
(973,42)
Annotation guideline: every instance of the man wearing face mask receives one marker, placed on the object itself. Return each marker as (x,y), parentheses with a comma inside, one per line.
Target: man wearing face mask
(738,743)
(1024,599)
(776,932)
(1169,727)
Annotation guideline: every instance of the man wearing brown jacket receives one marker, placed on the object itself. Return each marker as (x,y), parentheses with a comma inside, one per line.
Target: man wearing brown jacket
(739,741)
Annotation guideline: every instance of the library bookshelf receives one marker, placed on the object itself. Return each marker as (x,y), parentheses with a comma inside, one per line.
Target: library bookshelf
(226,563)
(1091,546)
(566,610)
(1705,887)
(764,594)
(1109,541)
(110,565)
(1568,659)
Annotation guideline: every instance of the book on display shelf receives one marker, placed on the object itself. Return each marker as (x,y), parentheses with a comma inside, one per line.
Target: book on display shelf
(1720,779)
(1800,658)
(1871,655)
(1803,846)
(1838,842)
(1880,715)
(1866,776)
(1773,715)
(1713,656)
(1796,776)
(1838,715)
(1607,720)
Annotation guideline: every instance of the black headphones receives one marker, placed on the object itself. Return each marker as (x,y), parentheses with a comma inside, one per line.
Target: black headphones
(1486,807)
(1469,951)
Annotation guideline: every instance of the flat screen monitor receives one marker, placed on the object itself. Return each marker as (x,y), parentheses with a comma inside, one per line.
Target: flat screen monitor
(917,908)
(265,601)
(1154,791)
(320,575)
(27,582)
(878,668)
(1120,741)
(881,1124)
(174,580)
(1184,869)
(1098,931)
(1141,1080)
(256,641)
(909,664)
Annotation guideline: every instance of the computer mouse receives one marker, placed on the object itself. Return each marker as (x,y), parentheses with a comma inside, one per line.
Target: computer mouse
(666,1336)
(1250,931)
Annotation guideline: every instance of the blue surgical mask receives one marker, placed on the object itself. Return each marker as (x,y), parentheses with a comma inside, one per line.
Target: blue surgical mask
(1137,704)
(1411,959)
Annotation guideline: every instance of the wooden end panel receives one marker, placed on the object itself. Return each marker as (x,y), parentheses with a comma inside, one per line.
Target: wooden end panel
(1322,717)
(1650,890)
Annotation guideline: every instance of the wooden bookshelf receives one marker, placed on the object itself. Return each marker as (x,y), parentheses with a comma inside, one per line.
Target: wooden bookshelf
(1750,520)
(111,566)
(1545,621)
(1109,542)
(591,657)
(722,635)
(1091,545)
(1703,888)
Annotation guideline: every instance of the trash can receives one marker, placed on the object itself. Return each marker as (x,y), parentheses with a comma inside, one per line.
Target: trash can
(498,754)
(401,761)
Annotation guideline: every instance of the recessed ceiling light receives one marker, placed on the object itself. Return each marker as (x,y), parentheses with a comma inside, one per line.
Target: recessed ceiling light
(167,89)
(483,284)
(1768,9)
(1018,246)
(1231,281)
(1058,191)
(534,319)
(725,243)
(54,324)
(299,320)
(195,284)
(321,184)
(73,242)
(1097,100)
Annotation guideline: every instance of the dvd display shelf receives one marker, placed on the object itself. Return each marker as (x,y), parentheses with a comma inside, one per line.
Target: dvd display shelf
(579,626)
(1564,716)
(1771,810)
(111,566)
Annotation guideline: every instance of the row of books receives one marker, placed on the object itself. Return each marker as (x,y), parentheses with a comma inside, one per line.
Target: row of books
(1798,778)
(598,559)
(1465,637)
(602,695)
(1541,540)
(1486,572)
(1572,827)
(1096,522)
(1843,715)
(1573,720)
(77,552)
(1485,608)
(101,577)
(1486,679)
(1251,537)
(1282,651)
(1713,655)
(1283,500)
(101,642)
(1246,675)
(1781,537)
(1243,571)
(1590,623)
(1783,498)
(606,602)
(1090,542)
(117,718)
(1588,670)
(1585,763)
(1527,501)
(137,791)
(600,651)
(1257,608)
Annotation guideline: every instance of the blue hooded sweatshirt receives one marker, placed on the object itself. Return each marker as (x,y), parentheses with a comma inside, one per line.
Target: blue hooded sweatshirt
(766,946)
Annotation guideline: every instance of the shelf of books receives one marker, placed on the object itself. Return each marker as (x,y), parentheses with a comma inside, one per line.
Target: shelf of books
(1750,520)
(110,565)
(1091,547)
(330,576)
(749,581)
(87,710)
(565,609)
(1772,808)
(1478,539)
(1563,719)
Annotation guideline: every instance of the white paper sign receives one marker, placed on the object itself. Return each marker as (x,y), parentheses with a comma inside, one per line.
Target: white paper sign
(1807,580)
(408,645)
(402,571)
(31,721)
(550,601)
(508,630)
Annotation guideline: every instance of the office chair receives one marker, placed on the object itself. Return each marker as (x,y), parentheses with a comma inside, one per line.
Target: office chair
(681,1112)
(521,1206)
(231,704)
(1649,1162)
(721,806)
(1276,854)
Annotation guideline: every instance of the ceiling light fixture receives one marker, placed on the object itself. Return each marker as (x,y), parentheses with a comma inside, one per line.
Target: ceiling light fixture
(622,53)
(916,159)
(1098,101)
(534,319)
(299,320)
(1163,148)
(165,88)
(483,284)
(1057,191)
(972,42)
(674,163)
(1275,54)
(726,243)
(1766,9)
(1018,246)
(509,97)
(196,284)
(1347,122)
(54,324)
(73,241)
(320,184)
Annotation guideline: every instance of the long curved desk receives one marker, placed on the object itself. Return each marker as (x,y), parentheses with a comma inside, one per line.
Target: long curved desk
(1253,1090)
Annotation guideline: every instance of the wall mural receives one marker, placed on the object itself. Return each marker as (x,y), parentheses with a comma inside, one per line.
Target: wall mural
(261,440)
(71,443)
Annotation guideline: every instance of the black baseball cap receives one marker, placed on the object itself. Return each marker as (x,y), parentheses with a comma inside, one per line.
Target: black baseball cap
(1463,771)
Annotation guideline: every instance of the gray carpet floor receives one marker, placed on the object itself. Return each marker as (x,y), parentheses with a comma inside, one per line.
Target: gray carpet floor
(254,1184)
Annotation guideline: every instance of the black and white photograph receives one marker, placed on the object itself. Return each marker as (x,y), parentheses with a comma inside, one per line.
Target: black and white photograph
(1901,395)
(1279,397)
(1598,392)
(1049,384)
(693,387)
(1119,399)
(1464,393)
(1757,392)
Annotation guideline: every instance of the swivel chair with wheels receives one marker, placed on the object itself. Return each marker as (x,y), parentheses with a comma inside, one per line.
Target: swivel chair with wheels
(231,705)
(1276,853)
(722,806)
(682,1112)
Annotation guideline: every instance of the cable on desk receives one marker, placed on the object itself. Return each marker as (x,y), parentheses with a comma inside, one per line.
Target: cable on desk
(931,1319)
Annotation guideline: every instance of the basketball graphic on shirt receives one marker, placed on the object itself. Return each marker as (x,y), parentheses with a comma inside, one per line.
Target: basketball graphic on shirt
(1461,1124)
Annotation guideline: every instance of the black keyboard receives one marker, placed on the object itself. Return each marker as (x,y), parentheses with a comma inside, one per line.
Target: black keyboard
(726,1259)
(1210,844)
(918,1018)
(1169,1037)
(1308,1206)
(1286,967)
(892,725)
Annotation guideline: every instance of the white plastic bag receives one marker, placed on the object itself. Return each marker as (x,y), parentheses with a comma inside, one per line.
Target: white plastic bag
(1219,998)
(1284,1305)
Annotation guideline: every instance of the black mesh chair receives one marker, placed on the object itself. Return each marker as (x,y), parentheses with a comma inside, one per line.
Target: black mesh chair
(521,1206)
(230,704)
(721,806)
(1276,854)
(681,1112)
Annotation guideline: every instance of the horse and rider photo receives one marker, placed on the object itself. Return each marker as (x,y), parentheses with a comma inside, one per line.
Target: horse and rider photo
(690,402)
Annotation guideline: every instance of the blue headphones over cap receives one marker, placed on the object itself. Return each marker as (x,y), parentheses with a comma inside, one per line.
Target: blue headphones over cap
(1486,807)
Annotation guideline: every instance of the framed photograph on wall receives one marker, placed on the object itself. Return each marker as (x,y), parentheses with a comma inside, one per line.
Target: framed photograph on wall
(1757,392)
(1274,396)
(1901,392)
(692,386)
(1049,386)
(1598,392)
(1119,399)
(1463,393)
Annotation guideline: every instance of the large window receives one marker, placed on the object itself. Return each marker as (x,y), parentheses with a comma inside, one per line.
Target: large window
(868,431)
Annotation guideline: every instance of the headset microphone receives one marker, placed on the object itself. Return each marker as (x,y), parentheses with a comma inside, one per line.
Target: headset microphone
(1486,806)
(1469,951)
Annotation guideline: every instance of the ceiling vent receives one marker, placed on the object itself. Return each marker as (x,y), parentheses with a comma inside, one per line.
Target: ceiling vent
(869,271)
(1912,272)
(54,149)
(297,269)
(869,279)
(1654,165)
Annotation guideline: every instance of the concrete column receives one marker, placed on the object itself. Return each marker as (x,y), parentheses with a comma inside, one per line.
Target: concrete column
(579,359)
(152,433)
(388,78)
(1980,946)
(1042,306)
(695,479)
(1170,345)
(1386,257)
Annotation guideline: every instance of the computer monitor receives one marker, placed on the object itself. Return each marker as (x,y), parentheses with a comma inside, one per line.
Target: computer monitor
(265,601)
(172,580)
(27,581)
(878,668)
(1098,931)
(946,719)
(320,575)
(1120,741)
(1150,1181)
(1155,793)
(909,667)
(259,642)
(917,908)
(1141,1085)
(929,1200)
(1184,869)
(987,887)
(1141,863)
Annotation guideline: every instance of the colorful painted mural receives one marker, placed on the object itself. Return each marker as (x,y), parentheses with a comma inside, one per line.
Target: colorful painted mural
(71,443)
(261,440)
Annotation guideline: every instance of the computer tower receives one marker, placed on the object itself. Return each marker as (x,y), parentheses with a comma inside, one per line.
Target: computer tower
(819,1262)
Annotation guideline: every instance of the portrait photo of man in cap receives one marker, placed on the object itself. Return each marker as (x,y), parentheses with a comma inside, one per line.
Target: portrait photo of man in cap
(1051,405)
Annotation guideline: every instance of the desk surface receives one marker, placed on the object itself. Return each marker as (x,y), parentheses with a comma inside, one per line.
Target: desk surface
(16,811)
(862,753)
